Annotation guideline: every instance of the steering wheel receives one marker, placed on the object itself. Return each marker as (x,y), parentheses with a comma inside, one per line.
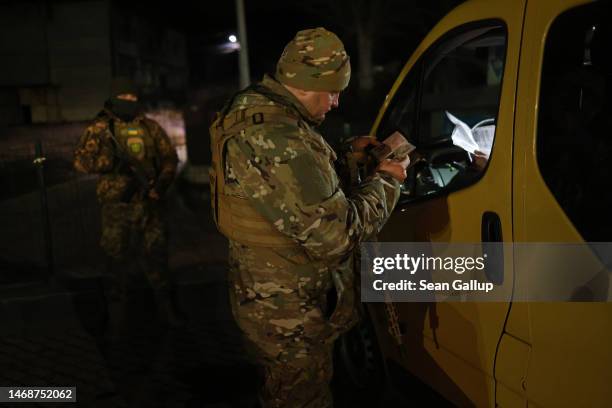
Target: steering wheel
(485,122)
(443,154)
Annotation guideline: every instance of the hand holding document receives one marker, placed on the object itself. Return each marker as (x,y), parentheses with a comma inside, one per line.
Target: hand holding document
(393,155)
(394,147)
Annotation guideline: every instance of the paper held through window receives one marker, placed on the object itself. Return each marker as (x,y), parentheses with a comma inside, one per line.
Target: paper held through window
(479,138)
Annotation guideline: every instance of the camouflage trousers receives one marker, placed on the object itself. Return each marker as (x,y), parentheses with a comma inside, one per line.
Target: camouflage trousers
(134,238)
(285,331)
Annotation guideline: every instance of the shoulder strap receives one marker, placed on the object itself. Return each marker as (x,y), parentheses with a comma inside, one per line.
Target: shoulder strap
(235,216)
(114,141)
(274,97)
(111,126)
(156,157)
(263,90)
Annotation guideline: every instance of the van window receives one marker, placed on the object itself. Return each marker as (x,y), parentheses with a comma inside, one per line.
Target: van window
(574,139)
(401,113)
(447,106)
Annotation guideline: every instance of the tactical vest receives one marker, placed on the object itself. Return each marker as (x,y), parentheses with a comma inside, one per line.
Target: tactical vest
(136,140)
(234,216)
(238,220)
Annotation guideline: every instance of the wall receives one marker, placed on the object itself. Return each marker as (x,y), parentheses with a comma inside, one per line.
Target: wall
(56,61)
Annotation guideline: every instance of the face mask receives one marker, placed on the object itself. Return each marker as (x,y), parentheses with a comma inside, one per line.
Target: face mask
(126,110)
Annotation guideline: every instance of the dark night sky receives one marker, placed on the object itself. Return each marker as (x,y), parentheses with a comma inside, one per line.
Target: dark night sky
(270,25)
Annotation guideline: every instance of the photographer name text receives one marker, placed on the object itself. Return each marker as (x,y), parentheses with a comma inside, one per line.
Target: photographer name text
(423,285)
(429,264)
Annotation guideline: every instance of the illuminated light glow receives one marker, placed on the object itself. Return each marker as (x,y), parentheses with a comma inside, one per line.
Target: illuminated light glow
(232,38)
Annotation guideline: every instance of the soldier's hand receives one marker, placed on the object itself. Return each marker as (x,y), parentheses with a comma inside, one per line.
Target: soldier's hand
(360,143)
(359,146)
(397,169)
(480,160)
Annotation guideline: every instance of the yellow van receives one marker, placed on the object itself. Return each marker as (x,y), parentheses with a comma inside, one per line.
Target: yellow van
(530,82)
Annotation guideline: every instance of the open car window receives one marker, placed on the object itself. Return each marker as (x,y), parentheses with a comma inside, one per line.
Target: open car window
(447,106)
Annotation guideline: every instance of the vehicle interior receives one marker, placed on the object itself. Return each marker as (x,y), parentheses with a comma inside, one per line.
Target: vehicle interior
(447,108)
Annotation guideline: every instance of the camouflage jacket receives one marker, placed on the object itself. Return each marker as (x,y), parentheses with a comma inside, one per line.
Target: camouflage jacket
(287,172)
(96,153)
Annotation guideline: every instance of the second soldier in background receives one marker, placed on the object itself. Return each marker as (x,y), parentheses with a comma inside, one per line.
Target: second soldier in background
(136,163)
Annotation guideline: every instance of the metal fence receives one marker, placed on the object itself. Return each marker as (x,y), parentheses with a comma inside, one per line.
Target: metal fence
(49,216)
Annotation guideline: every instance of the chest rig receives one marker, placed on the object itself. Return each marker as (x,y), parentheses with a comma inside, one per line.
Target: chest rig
(136,140)
(234,216)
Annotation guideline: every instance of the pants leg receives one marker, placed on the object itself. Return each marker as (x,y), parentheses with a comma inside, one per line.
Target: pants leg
(293,347)
(154,249)
(114,241)
(299,385)
(154,264)
(116,226)
(284,327)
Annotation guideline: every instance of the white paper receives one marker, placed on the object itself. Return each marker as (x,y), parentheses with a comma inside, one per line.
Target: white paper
(483,136)
(462,134)
(480,137)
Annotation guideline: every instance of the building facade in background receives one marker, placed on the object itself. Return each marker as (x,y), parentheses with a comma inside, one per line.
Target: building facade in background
(58,59)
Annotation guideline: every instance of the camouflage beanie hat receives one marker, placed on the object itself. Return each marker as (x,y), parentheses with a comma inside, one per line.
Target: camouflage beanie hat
(315,60)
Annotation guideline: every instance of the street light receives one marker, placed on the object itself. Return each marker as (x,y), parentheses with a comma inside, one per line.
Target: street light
(231,45)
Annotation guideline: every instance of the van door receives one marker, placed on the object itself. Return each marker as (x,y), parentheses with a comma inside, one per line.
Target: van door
(563,152)
(463,75)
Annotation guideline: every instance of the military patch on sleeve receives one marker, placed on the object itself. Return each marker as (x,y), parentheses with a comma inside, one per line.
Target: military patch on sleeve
(314,184)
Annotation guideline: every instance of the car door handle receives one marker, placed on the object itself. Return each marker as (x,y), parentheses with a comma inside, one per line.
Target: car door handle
(491,237)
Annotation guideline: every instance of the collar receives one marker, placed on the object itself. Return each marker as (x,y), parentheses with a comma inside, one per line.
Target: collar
(111,115)
(279,89)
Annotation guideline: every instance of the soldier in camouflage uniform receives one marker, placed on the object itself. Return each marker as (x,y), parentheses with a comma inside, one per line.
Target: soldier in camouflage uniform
(136,163)
(292,229)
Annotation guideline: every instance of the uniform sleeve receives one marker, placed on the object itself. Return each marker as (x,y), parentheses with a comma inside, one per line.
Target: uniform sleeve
(168,158)
(291,186)
(93,153)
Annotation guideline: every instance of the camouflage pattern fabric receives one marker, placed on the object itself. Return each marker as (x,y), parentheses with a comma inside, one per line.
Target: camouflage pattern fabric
(135,237)
(95,154)
(133,232)
(315,60)
(278,295)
